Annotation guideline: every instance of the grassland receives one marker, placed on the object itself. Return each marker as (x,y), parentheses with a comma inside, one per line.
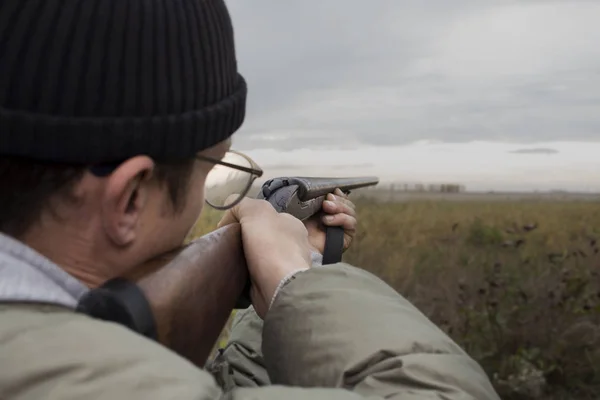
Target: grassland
(515,283)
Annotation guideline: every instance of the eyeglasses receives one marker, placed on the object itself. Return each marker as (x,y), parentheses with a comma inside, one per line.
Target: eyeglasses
(233,175)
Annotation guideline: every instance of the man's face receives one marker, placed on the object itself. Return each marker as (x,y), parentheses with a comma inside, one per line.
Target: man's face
(163,227)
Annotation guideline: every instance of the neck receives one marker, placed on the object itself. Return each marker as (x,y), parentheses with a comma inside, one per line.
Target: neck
(77,252)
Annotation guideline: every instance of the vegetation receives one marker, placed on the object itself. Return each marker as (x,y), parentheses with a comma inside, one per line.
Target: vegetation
(516,284)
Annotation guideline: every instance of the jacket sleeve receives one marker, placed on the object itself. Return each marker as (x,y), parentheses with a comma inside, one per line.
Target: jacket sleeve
(342,327)
(240,363)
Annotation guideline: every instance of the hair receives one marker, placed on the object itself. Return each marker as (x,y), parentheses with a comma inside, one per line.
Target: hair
(28,187)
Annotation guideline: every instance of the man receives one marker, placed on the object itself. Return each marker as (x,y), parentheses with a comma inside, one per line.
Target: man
(113,113)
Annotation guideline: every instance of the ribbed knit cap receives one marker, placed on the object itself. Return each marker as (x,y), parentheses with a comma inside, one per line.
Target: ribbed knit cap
(92,81)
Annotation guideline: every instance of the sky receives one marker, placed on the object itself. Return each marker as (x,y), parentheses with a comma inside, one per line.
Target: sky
(495,94)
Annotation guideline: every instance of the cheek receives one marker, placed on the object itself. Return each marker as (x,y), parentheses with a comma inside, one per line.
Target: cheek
(195,198)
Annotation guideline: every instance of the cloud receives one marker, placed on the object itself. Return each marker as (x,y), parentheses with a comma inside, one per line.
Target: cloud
(535,151)
(352,73)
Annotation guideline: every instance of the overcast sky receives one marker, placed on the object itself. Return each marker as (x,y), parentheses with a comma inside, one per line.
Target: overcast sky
(353,74)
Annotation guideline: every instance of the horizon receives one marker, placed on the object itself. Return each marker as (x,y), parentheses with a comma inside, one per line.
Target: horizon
(480,166)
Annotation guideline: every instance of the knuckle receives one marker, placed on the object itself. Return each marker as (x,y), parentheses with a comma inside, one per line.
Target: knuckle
(263,206)
(337,220)
(291,220)
(349,203)
(353,220)
(287,216)
(262,203)
(347,209)
(349,222)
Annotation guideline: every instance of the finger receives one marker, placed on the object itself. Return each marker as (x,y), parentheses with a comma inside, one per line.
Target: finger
(246,208)
(338,192)
(339,199)
(228,218)
(348,240)
(338,207)
(348,222)
(341,193)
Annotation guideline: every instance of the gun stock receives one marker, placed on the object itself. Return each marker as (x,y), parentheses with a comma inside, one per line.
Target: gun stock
(190,293)
(183,299)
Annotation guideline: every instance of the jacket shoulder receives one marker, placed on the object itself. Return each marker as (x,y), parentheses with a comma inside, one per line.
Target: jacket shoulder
(53,353)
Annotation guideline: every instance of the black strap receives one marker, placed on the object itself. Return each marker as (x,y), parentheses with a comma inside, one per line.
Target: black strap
(123,302)
(334,245)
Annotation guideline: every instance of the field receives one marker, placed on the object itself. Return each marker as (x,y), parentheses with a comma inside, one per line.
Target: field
(515,283)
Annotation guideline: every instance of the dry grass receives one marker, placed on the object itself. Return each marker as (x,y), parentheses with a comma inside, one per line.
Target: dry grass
(514,283)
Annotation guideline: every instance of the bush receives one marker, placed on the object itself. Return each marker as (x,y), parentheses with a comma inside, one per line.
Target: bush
(480,234)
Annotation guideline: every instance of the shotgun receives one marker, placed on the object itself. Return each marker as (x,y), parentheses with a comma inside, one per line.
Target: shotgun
(183,299)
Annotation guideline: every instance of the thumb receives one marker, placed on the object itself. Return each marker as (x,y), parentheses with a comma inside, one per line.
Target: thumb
(230,216)
(247,208)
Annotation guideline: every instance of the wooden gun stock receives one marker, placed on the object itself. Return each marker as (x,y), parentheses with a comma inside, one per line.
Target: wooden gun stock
(190,293)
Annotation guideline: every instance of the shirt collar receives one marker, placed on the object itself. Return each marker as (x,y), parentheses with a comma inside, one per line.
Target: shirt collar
(28,276)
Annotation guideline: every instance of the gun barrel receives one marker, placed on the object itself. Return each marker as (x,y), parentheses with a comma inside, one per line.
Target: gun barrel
(311,188)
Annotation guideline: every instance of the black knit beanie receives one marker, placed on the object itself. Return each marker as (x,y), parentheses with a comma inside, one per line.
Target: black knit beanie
(95,81)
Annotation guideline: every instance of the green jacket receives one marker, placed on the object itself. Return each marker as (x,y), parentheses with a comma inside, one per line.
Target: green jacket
(335,333)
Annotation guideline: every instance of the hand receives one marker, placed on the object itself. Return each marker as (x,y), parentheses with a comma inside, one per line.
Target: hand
(275,245)
(337,211)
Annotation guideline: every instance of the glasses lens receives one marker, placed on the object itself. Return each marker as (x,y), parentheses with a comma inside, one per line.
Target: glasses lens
(222,182)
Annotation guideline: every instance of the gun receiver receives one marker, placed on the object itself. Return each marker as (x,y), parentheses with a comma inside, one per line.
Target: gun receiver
(303,197)
(184,298)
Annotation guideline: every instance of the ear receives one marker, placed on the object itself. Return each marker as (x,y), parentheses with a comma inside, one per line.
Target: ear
(125,197)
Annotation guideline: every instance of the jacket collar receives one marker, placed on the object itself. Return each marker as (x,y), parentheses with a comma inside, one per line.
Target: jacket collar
(28,276)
